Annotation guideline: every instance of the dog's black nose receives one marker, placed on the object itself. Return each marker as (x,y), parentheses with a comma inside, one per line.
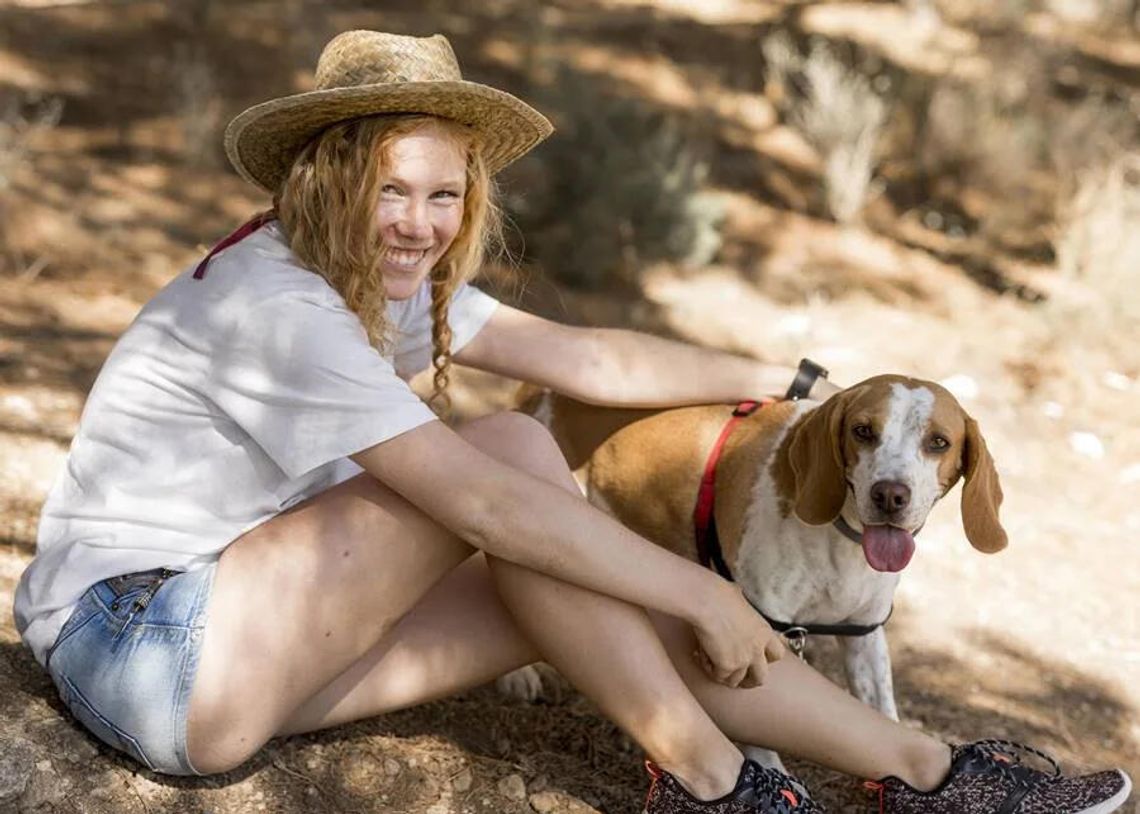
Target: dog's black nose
(890,496)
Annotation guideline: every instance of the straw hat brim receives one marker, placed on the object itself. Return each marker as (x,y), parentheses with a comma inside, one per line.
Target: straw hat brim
(262,141)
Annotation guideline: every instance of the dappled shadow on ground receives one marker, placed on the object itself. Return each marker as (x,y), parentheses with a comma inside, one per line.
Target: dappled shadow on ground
(153,86)
(564,744)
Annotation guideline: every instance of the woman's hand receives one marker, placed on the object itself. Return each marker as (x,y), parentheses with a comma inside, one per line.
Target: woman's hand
(735,644)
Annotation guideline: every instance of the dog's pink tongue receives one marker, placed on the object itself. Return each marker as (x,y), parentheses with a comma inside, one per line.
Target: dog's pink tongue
(887,548)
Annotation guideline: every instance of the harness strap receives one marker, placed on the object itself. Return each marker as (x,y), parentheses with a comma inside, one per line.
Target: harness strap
(704,521)
(822,630)
(708,541)
(241,233)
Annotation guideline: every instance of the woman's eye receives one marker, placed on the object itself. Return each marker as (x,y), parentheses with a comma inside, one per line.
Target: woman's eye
(446,193)
(863,432)
(390,189)
(939,443)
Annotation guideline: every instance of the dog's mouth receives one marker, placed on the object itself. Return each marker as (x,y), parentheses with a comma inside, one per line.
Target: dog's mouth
(887,548)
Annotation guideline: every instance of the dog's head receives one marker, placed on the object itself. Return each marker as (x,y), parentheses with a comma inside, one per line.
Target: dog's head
(898,444)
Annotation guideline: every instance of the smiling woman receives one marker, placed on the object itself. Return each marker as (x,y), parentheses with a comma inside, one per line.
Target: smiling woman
(423,208)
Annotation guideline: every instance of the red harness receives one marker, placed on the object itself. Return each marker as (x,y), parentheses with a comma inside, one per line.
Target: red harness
(708,541)
(704,520)
(241,233)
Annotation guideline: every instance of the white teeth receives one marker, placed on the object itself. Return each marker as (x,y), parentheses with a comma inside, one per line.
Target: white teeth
(405,257)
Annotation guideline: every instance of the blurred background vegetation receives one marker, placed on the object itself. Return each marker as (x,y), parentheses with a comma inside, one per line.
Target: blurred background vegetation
(990,133)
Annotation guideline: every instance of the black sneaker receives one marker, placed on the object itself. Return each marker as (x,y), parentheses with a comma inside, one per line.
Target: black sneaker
(988,777)
(758,791)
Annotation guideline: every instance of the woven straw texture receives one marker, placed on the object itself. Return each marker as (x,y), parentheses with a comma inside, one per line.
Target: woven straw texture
(363,73)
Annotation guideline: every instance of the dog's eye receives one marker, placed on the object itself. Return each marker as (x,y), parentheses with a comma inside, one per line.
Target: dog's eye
(863,432)
(938,443)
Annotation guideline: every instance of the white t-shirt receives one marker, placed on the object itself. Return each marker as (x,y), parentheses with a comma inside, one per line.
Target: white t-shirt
(227,400)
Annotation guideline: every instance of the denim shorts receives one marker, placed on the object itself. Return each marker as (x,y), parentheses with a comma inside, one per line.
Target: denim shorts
(125,660)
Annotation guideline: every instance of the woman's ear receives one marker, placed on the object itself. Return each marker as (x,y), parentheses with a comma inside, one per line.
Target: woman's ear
(816,456)
(981,494)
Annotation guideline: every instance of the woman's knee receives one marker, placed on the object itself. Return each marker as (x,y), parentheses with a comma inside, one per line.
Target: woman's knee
(519,440)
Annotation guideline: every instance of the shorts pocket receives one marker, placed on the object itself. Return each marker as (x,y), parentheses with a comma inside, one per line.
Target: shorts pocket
(99,726)
(82,614)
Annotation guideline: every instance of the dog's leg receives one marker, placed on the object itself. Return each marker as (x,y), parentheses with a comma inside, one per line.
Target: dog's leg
(765,757)
(523,684)
(868,664)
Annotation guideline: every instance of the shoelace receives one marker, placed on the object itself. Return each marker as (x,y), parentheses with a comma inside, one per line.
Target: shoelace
(776,791)
(1000,757)
(1004,759)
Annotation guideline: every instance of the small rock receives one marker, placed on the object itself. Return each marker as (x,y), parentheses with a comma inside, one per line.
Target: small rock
(16,765)
(463,780)
(1087,444)
(513,787)
(391,767)
(1116,381)
(1130,474)
(962,386)
(43,788)
(557,802)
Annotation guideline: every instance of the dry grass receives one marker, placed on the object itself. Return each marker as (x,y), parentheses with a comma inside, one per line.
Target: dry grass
(837,111)
(1098,247)
(200,113)
(21,118)
(622,187)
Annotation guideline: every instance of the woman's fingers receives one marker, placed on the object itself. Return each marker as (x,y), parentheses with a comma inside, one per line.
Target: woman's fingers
(775,649)
(737,676)
(756,675)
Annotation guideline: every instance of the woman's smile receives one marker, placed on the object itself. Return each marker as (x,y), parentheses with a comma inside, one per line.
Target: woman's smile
(420,208)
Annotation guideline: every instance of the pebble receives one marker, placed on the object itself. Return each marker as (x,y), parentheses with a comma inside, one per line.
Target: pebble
(391,767)
(557,802)
(1087,444)
(16,766)
(463,780)
(964,388)
(513,787)
(43,788)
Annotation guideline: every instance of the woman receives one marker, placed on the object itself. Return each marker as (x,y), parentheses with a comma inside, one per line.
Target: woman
(261,530)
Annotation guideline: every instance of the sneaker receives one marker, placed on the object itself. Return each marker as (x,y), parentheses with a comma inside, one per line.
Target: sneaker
(758,791)
(988,777)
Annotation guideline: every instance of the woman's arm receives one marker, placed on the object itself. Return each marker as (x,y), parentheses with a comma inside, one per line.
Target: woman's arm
(529,521)
(616,367)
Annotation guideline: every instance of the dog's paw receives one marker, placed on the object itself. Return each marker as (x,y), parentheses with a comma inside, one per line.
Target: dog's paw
(765,757)
(524,684)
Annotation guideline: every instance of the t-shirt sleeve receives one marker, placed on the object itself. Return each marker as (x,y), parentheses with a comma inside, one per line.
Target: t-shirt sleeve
(298,375)
(469,311)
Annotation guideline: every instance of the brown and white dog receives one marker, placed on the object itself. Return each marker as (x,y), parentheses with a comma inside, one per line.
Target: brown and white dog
(873,458)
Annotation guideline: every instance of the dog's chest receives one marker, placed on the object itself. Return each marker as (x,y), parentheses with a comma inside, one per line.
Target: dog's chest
(806,574)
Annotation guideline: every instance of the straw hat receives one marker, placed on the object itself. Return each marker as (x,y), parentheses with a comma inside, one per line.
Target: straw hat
(361,73)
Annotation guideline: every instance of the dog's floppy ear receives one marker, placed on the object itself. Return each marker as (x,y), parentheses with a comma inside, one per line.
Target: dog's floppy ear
(816,457)
(981,494)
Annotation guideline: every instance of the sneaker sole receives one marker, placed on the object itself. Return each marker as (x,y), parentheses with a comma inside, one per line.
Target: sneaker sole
(1103,807)
(1112,803)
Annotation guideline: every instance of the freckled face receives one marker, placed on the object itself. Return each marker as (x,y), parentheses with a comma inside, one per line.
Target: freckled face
(420,208)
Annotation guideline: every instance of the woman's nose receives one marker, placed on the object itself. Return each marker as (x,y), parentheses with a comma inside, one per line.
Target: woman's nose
(414,221)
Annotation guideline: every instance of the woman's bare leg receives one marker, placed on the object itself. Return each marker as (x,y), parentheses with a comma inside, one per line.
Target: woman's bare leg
(301,599)
(461,636)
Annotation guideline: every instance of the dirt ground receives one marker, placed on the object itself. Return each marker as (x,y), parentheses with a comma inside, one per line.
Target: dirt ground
(1040,643)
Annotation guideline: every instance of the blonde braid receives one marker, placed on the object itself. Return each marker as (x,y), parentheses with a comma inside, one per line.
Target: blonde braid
(442,287)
